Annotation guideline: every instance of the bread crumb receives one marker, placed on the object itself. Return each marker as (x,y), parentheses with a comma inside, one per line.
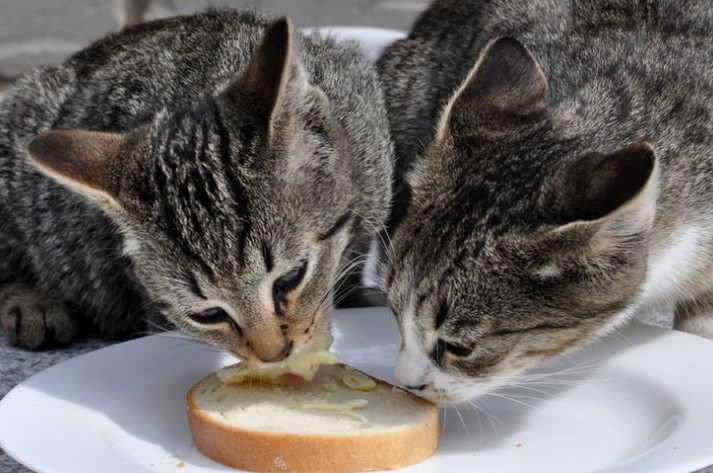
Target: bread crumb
(181,465)
(280,464)
(518,445)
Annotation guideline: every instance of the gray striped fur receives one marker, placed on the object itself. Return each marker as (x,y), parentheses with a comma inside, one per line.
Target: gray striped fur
(526,225)
(208,197)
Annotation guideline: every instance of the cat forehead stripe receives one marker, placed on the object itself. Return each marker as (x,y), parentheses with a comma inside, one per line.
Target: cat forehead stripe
(338,225)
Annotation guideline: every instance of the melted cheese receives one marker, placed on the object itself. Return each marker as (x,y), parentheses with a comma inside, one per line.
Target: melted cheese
(358,381)
(343,408)
(331,387)
(301,367)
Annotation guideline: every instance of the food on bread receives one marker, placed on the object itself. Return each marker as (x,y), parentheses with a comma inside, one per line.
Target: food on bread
(300,367)
(341,420)
(358,381)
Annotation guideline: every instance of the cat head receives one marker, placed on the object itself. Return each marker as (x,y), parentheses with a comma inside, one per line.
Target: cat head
(520,242)
(237,211)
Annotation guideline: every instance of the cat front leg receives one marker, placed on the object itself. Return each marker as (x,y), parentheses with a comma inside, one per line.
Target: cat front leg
(31,320)
(695,316)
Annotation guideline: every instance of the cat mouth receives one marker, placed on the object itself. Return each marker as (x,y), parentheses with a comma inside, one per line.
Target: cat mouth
(441,397)
(457,392)
(435,394)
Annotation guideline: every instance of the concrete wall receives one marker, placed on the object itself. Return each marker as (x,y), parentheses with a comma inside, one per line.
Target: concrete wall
(45,31)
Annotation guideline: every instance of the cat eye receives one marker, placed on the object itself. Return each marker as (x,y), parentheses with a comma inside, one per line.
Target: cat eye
(455,349)
(286,284)
(458,350)
(216,315)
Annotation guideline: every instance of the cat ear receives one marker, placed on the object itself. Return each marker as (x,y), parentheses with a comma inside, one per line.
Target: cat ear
(616,191)
(82,160)
(505,89)
(273,77)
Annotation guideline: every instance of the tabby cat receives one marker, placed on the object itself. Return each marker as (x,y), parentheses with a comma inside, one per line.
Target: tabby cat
(212,170)
(554,176)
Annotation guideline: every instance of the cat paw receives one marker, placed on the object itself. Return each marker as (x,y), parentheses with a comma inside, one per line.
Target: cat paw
(30,320)
(700,325)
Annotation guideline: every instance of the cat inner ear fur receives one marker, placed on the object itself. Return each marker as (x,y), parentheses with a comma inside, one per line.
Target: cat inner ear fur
(273,81)
(610,194)
(504,91)
(86,161)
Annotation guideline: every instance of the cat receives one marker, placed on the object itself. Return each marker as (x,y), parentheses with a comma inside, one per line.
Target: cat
(210,171)
(554,174)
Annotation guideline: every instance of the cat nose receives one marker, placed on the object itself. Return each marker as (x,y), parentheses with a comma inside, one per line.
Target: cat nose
(284,353)
(267,342)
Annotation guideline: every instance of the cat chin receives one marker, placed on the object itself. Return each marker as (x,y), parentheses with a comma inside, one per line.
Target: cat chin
(439,386)
(444,388)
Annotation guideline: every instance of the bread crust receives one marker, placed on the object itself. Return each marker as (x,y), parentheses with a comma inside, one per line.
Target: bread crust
(261,451)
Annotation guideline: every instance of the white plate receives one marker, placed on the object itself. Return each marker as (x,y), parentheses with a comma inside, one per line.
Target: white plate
(637,402)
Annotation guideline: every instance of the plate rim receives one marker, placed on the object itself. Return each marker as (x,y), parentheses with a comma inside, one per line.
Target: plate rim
(15,394)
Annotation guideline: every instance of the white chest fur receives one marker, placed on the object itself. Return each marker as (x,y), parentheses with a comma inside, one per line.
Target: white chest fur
(369,275)
(673,268)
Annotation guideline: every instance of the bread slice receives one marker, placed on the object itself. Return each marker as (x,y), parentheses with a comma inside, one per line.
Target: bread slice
(340,421)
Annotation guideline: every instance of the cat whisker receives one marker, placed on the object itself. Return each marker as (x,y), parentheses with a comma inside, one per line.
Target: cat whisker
(535,390)
(193,345)
(187,339)
(462,420)
(387,245)
(339,281)
(161,328)
(489,416)
(358,258)
(512,399)
(618,334)
(165,334)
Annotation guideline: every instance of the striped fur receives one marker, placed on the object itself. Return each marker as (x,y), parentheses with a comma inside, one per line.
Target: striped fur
(551,156)
(241,156)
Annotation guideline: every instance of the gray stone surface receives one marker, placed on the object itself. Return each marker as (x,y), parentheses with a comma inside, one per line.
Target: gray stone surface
(387,14)
(40,31)
(34,32)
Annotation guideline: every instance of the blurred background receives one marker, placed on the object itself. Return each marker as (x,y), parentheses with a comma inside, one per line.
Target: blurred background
(36,32)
